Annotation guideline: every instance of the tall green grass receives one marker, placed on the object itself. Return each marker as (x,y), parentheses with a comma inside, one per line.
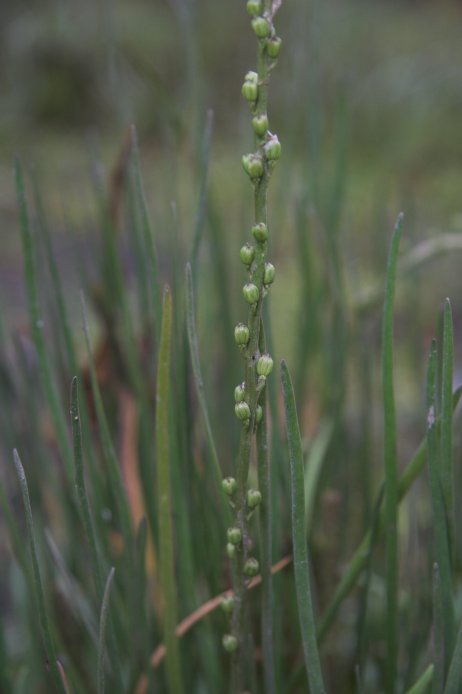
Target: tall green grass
(116,572)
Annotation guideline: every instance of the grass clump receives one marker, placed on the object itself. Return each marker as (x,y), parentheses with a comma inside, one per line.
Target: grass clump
(155,505)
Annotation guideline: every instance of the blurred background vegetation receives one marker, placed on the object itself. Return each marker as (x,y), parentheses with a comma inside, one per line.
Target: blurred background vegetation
(367,102)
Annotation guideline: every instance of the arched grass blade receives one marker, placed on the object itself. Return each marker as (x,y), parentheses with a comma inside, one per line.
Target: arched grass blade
(455,668)
(301,568)
(102,631)
(165,507)
(438,634)
(39,594)
(391,465)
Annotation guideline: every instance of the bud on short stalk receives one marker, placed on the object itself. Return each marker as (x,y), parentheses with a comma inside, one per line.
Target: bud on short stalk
(273,47)
(253,498)
(239,392)
(242,411)
(269,272)
(227,604)
(254,7)
(260,232)
(264,365)
(258,414)
(247,254)
(229,486)
(251,293)
(230,643)
(234,536)
(251,567)
(261,27)
(272,148)
(253,165)
(231,551)
(241,334)
(260,124)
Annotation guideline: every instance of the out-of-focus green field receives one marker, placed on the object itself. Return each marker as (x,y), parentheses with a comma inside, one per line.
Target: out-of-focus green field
(367,102)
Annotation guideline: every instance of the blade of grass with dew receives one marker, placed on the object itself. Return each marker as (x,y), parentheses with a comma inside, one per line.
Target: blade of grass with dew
(391,465)
(447,473)
(115,477)
(439,516)
(36,322)
(39,594)
(423,683)
(357,562)
(301,567)
(102,632)
(438,634)
(164,505)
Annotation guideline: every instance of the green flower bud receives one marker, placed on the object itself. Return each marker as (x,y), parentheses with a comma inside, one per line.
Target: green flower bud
(251,567)
(273,46)
(247,254)
(251,76)
(242,411)
(264,365)
(227,604)
(260,124)
(230,643)
(253,165)
(229,486)
(241,334)
(269,272)
(261,27)
(234,536)
(250,90)
(258,414)
(253,498)
(272,148)
(260,232)
(239,392)
(254,7)
(231,551)
(251,293)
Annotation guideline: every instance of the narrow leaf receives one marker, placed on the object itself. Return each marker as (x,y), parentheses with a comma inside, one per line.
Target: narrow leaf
(391,466)
(423,683)
(447,473)
(165,510)
(39,594)
(301,568)
(102,630)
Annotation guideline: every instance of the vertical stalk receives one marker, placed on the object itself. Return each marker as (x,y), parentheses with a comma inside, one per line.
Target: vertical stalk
(257,366)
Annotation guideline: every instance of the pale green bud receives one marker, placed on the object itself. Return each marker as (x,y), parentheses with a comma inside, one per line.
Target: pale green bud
(272,148)
(258,414)
(260,232)
(251,293)
(260,124)
(269,272)
(241,334)
(231,551)
(242,411)
(261,27)
(253,498)
(251,567)
(251,76)
(253,165)
(227,604)
(234,536)
(239,392)
(247,254)
(264,365)
(273,47)
(253,7)
(229,486)
(230,643)
(250,90)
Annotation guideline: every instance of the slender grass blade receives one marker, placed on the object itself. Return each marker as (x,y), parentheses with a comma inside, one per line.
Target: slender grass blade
(301,568)
(102,631)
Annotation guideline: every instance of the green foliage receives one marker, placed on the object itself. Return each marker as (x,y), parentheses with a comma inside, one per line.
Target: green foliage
(154,504)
